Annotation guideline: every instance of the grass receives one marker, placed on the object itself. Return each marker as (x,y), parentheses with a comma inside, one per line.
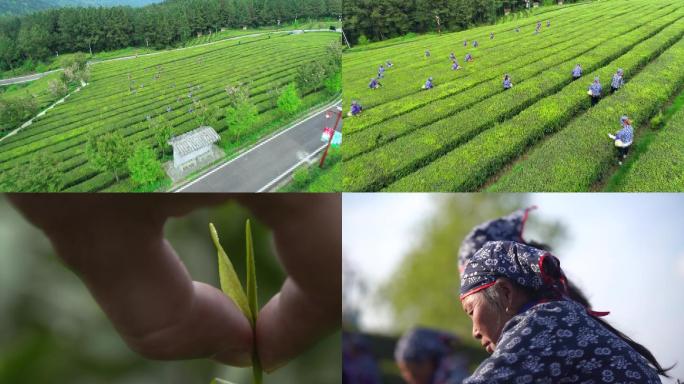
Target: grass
(312,178)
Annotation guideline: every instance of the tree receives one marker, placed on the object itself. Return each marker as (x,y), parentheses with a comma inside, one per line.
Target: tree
(57,88)
(333,84)
(310,77)
(143,166)
(41,174)
(161,131)
(289,102)
(108,152)
(240,117)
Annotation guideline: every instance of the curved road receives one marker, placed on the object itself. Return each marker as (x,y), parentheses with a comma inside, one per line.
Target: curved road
(28,78)
(263,166)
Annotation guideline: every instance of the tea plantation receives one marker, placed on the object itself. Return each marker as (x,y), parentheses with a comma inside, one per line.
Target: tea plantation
(123,95)
(469,134)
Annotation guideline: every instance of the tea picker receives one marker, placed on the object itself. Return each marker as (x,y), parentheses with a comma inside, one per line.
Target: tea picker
(468,58)
(356,109)
(374,84)
(595,90)
(577,72)
(507,84)
(618,81)
(428,84)
(455,66)
(623,139)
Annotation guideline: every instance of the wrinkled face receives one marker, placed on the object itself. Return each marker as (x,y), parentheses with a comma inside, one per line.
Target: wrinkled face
(488,320)
(417,373)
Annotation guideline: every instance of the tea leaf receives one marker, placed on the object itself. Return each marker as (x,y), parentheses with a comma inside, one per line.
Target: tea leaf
(253,299)
(230,284)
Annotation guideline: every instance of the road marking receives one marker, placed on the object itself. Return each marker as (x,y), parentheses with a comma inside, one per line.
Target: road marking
(314,114)
(292,168)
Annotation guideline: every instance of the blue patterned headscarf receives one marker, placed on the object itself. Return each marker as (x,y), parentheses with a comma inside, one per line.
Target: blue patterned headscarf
(520,263)
(504,228)
(423,344)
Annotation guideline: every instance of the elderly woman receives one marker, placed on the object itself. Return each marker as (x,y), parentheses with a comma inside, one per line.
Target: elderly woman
(455,66)
(427,356)
(516,296)
(618,81)
(374,83)
(468,58)
(356,108)
(507,84)
(428,84)
(577,72)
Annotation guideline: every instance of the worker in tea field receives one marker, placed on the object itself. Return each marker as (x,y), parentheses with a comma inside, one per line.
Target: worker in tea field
(428,84)
(359,366)
(381,72)
(389,64)
(475,44)
(356,108)
(455,66)
(507,84)
(595,90)
(517,29)
(491,35)
(623,139)
(548,23)
(618,81)
(468,58)
(452,56)
(374,84)
(428,356)
(577,72)
(427,53)
(117,246)
(465,43)
(517,298)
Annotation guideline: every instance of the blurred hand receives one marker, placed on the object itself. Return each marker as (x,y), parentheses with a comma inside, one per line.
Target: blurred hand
(115,243)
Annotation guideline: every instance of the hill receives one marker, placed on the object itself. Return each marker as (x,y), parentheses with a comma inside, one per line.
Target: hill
(23,7)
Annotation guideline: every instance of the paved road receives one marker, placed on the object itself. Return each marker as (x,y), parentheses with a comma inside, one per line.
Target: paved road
(26,79)
(263,166)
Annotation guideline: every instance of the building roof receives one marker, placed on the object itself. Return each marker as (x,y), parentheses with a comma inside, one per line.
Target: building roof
(194,140)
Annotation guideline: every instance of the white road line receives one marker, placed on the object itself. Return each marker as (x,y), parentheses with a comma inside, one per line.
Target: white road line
(314,114)
(282,175)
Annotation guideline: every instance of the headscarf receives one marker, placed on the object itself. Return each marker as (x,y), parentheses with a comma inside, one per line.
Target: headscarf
(520,263)
(504,228)
(423,344)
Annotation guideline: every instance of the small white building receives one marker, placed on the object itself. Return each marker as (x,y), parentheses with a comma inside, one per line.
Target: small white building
(192,147)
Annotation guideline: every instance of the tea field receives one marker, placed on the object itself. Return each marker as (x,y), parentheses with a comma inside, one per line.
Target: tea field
(123,95)
(543,134)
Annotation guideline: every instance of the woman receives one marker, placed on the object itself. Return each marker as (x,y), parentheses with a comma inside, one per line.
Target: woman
(374,84)
(355,108)
(623,139)
(618,81)
(475,44)
(381,72)
(468,58)
(577,72)
(455,66)
(452,56)
(428,84)
(516,297)
(427,356)
(507,84)
(427,53)
(595,91)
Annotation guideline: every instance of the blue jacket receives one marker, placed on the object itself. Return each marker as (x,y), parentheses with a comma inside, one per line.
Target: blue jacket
(617,82)
(626,135)
(577,72)
(596,89)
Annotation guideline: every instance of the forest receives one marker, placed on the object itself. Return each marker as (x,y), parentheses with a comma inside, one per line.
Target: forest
(375,20)
(40,35)
(22,7)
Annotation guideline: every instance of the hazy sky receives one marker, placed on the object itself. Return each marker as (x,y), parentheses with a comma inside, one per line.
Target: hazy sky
(625,250)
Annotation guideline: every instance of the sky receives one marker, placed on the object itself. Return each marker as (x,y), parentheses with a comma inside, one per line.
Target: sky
(621,249)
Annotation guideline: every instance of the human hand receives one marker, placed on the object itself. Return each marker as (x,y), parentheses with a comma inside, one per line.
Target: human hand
(116,245)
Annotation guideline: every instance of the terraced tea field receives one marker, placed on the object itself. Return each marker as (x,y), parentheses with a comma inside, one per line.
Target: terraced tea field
(468,134)
(166,84)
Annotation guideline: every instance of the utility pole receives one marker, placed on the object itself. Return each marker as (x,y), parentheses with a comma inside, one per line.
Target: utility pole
(338,111)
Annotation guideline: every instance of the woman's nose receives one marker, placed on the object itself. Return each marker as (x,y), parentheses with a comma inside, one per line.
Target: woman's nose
(476,333)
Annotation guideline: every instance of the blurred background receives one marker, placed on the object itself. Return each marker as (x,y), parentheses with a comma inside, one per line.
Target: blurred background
(625,251)
(52,331)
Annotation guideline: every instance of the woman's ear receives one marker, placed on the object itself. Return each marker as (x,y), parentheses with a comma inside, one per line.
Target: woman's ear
(507,294)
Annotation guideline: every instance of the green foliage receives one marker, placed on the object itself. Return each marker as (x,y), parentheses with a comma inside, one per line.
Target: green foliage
(41,174)
(363,40)
(162,131)
(240,118)
(143,166)
(108,152)
(289,102)
(317,180)
(416,140)
(108,105)
(15,111)
(231,286)
(310,77)
(57,88)
(333,84)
